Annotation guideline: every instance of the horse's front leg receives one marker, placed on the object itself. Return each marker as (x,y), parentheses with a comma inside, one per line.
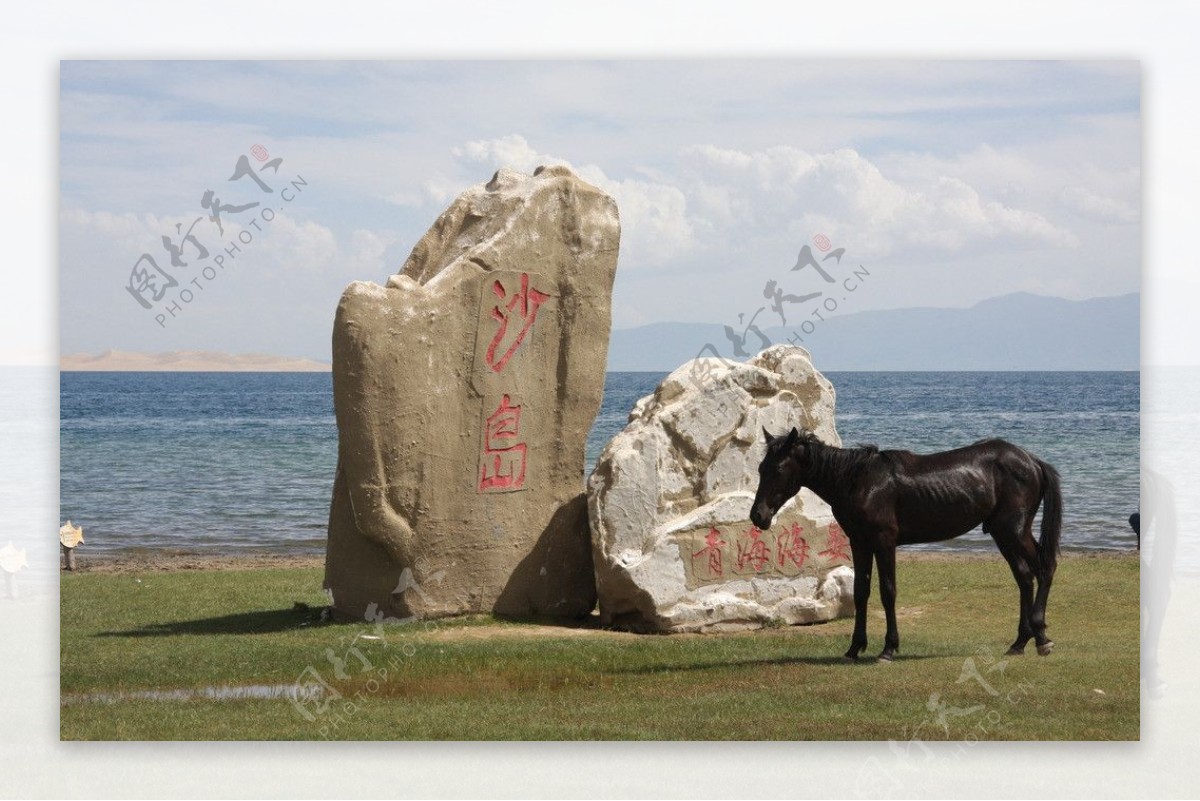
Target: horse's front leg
(862,591)
(885,557)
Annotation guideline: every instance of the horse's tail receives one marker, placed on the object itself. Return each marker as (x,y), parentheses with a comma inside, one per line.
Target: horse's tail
(1048,543)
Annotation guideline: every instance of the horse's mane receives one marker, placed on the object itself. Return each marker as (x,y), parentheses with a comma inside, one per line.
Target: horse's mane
(852,458)
(843,459)
(860,454)
(864,452)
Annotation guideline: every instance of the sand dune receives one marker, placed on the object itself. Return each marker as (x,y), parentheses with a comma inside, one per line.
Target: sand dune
(188,361)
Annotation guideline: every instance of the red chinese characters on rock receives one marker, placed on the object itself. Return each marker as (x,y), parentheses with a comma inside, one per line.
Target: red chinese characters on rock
(503,460)
(750,552)
(753,555)
(706,562)
(512,303)
(791,550)
(521,309)
(839,545)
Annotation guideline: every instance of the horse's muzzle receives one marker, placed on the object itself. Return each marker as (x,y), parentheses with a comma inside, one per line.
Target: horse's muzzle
(761,520)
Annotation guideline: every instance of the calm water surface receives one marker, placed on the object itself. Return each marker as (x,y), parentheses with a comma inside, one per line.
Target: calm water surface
(237,461)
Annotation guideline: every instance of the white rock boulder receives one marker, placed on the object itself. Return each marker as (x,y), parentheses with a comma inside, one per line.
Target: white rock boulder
(669,504)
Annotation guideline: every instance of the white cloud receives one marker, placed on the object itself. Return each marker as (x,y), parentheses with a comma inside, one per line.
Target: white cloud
(511,151)
(284,244)
(1099,207)
(287,263)
(297,246)
(136,231)
(368,248)
(1055,181)
(762,203)
(655,228)
(841,192)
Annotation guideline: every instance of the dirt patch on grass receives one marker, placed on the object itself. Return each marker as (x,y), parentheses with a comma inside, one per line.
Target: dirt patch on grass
(485,628)
(477,684)
(505,630)
(172,561)
(902,612)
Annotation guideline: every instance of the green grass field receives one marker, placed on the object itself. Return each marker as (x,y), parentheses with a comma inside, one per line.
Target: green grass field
(479,678)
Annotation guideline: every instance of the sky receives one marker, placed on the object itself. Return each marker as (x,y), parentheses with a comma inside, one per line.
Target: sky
(949,181)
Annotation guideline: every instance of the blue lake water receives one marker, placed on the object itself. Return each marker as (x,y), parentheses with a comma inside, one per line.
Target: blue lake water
(230,462)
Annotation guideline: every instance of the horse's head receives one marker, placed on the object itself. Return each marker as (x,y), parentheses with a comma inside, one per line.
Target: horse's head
(780,475)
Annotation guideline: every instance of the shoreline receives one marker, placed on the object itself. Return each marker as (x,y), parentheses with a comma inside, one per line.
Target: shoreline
(179,561)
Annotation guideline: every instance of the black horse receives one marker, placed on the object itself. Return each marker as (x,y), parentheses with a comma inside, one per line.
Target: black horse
(883,499)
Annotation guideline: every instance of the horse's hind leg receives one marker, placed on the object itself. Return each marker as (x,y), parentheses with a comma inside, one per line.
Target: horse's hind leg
(885,558)
(1010,545)
(1033,607)
(1045,575)
(862,592)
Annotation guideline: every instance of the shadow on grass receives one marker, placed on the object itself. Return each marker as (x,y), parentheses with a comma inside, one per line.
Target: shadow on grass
(264,622)
(276,620)
(779,660)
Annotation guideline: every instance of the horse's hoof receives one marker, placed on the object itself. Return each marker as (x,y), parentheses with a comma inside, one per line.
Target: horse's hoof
(1046,648)
(886,657)
(848,659)
(1015,651)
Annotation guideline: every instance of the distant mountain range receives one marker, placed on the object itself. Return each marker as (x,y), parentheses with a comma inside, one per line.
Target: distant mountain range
(1012,332)
(1020,331)
(188,361)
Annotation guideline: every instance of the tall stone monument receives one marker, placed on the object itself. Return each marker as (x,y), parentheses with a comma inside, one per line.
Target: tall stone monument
(464,391)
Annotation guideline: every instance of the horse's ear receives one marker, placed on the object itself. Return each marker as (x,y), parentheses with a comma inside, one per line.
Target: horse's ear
(767,434)
(793,435)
